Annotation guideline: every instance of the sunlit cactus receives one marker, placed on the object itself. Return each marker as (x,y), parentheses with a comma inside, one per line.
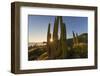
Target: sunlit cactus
(55,30)
(48,41)
(63,39)
(61,48)
(48,34)
(54,45)
(57,48)
(75,39)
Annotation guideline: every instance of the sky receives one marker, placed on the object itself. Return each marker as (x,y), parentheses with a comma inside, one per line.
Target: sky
(38,26)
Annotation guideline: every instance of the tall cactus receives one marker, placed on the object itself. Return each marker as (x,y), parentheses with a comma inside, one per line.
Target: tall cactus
(48,41)
(48,34)
(54,45)
(63,38)
(55,30)
(74,38)
(58,48)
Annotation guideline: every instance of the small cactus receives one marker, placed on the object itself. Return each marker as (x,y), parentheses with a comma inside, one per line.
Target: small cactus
(75,39)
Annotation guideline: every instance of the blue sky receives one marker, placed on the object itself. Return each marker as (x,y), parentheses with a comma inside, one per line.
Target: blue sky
(38,25)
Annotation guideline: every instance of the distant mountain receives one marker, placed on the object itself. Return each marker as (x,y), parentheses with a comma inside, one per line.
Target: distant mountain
(83,38)
(36,44)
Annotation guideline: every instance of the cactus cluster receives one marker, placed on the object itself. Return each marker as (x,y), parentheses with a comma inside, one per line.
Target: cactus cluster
(75,40)
(58,48)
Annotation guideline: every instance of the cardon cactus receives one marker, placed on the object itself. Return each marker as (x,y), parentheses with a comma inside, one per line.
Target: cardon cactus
(75,40)
(63,41)
(48,34)
(55,30)
(58,48)
(48,41)
(54,44)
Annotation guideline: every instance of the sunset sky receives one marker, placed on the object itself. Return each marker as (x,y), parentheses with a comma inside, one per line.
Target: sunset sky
(38,25)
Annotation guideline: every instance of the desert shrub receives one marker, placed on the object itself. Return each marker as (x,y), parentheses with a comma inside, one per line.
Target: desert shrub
(80,51)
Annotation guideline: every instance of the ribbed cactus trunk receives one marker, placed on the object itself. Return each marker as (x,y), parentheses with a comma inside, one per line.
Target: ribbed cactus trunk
(55,38)
(48,34)
(63,40)
(58,48)
(74,39)
(48,41)
(55,30)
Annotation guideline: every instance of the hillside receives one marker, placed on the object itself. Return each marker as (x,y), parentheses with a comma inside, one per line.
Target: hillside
(83,38)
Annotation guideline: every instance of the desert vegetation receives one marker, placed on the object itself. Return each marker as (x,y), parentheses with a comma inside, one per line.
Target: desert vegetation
(60,48)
